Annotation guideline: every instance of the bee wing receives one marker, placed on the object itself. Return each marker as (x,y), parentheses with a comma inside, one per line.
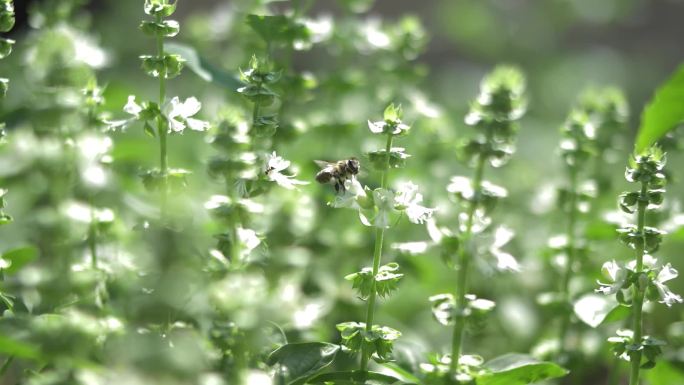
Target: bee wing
(322,164)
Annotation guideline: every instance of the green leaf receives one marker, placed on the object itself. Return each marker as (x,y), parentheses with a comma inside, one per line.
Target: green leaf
(300,361)
(665,373)
(401,372)
(6,16)
(159,8)
(166,28)
(663,113)
(19,258)
(5,47)
(4,85)
(356,377)
(16,348)
(595,309)
(519,369)
(201,67)
(170,65)
(392,112)
(277,28)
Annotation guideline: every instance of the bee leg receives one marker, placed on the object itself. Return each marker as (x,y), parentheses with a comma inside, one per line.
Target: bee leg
(337,187)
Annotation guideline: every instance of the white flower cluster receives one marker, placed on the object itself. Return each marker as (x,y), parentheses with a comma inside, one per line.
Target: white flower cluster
(273,168)
(406,199)
(178,115)
(617,275)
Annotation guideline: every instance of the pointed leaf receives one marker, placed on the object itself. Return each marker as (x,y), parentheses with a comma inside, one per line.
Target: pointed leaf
(300,361)
(10,347)
(19,257)
(356,377)
(663,113)
(595,309)
(519,369)
(201,67)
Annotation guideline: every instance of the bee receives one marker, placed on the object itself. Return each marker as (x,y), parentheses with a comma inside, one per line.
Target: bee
(338,172)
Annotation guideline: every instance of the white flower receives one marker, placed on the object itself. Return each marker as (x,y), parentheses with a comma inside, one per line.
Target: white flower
(412,248)
(667,297)
(409,200)
(382,126)
(384,201)
(249,239)
(273,167)
(132,107)
(216,201)
(349,198)
(83,213)
(93,153)
(461,185)
(504,261)
(616,276)
(388,204)
(178,115)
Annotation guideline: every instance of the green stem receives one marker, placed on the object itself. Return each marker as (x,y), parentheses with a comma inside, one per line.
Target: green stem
(388,149)
(6,365)
(255,111)
(235,248)
(567,274)
(162,129)
(377,257)
(464,258)
(92,242)
(637,291)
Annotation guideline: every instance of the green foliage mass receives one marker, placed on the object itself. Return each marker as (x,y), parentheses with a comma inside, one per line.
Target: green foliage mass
(259,192)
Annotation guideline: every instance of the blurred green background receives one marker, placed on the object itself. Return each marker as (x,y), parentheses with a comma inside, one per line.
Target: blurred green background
(428,55)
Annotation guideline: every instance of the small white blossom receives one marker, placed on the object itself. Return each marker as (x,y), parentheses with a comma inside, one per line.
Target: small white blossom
(504,261)
(616,276)
(349,198)
(93,153)
(273,170)
(409,200)
(248,238)
(216,201)
(84,213)
(380,127)
(180,114)
(412,248)
(667,297)
(132,107)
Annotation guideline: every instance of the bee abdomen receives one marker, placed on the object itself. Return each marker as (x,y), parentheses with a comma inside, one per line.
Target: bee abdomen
(323,177)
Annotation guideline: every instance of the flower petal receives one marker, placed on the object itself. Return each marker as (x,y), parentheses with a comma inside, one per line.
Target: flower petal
(190,107)
(132,107)
(667,273)
(197,125)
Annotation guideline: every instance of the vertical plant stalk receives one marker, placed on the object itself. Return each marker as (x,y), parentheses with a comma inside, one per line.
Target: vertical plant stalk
(377,257)
(570,261)
(92,237)
(255,110)
(637,291)
(92,228)
(464,258)
(162,129)
(235,247)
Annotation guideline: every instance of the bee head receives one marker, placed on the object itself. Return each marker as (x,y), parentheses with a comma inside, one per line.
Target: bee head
(353,165)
